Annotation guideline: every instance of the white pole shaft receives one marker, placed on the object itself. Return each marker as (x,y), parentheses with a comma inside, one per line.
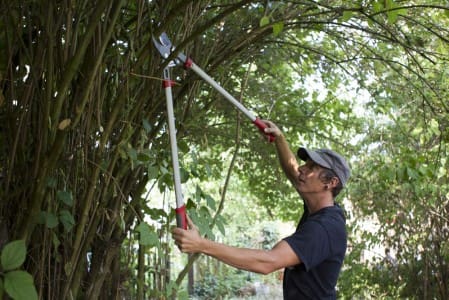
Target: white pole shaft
(174,147)
(222,91)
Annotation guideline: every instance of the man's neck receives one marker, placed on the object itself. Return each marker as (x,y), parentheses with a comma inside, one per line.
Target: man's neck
(318,202)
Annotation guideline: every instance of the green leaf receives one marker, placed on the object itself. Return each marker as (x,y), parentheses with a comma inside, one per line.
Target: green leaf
(198,193)
(190,204)
(220,225)
(392,16)
(67,220)
(389,4)
(202,219)
(165,181)
(183,146)
(65,196)
(184,174)
(154,213)
(163,170)
(13,255)
(377,6)
(147,237)
(49,219)
(264,21)
(153,172)
(210,202)
(105,163)
(434,127)
(412,174)
(277,28)
(347,14)
(132,153)
(146,125)
(55,240)
(392,13)
(52,182)
(143,157)
(20,285)
(68,268)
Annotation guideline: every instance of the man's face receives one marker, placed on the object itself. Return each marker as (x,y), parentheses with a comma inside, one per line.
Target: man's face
(309,178)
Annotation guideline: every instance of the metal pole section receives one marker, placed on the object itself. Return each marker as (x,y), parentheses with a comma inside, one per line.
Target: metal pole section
(188,63)
(181,220)
(222,91)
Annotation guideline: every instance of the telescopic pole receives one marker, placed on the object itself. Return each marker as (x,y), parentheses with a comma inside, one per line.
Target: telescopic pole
(181,217)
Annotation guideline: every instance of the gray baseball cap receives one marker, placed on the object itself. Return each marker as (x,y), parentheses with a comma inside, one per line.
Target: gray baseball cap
(327,159)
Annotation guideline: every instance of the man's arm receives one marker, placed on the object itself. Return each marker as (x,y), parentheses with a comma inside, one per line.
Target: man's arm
(254,260)
(286,157)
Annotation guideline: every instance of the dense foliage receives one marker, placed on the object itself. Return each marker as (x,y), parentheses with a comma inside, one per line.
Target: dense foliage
(84,145)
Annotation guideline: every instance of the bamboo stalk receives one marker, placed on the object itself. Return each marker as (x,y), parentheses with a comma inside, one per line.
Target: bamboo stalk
(75,62)
(89,199)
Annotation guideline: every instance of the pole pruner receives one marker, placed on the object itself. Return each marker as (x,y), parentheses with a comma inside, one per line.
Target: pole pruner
(165,48)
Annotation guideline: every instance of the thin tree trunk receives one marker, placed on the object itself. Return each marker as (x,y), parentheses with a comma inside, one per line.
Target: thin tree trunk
(141,272)
(191,279)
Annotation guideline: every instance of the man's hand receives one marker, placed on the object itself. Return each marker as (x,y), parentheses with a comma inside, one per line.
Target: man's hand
(188,240)
(272,128)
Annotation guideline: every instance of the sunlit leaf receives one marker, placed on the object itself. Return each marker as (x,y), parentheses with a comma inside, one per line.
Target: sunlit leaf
(265,20)
(377,6)
(277,28)
(347,14)
(147,236)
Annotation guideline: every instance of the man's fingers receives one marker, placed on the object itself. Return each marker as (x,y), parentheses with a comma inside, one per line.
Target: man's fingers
(190,223)
(269,123)
(186,240)
(272,128)
(177,235)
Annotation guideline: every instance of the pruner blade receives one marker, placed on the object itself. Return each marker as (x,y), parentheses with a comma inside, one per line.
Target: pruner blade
(166,48)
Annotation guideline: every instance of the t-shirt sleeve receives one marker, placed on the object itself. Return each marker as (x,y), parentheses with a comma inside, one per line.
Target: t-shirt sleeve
(310,243)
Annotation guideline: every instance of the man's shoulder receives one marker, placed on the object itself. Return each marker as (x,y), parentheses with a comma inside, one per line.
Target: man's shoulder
(330,212)
(331,219)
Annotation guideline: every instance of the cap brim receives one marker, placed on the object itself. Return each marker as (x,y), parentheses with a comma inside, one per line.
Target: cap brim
(305,154)
(302,154)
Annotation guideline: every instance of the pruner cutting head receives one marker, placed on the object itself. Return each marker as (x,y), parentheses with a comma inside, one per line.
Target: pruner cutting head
(165,48)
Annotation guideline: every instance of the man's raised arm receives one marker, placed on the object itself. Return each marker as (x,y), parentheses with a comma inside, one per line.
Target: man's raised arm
(286,157)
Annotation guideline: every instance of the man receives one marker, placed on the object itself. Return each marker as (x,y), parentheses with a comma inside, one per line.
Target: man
(313,255)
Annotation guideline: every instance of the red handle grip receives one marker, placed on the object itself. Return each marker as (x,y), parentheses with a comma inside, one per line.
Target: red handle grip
(181,217)
(261,125)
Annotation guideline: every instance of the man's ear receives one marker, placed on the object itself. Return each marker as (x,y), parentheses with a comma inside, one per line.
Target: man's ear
(334,182)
